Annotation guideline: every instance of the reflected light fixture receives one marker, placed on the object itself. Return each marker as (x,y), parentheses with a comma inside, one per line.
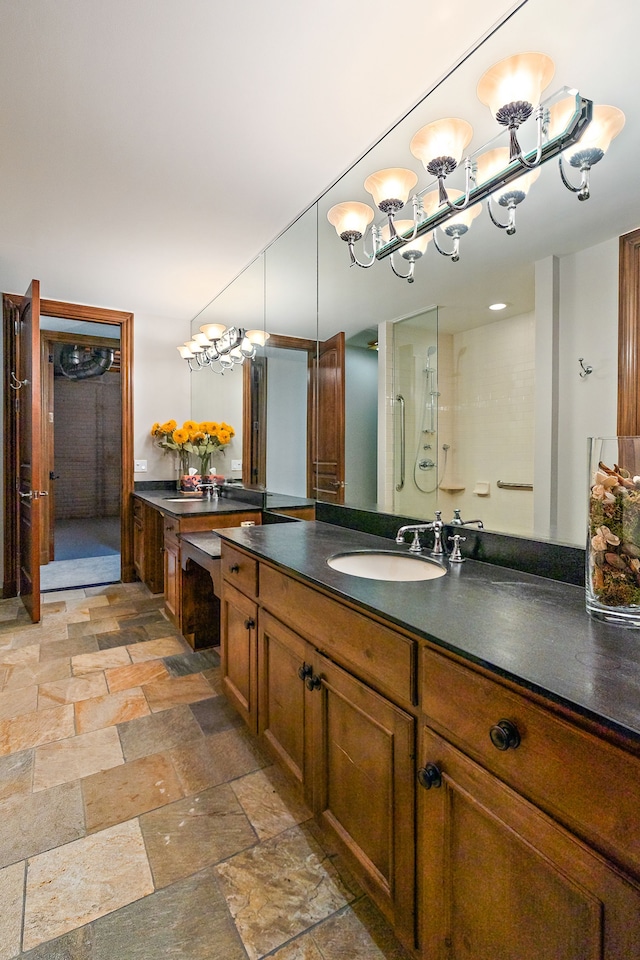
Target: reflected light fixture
(512,89)
(221,348)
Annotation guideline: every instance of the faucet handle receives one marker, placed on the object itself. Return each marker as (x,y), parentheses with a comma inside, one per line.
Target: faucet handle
(456,556)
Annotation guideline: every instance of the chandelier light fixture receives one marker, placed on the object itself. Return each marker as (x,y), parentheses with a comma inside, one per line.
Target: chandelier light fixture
(221,348)
(571,127)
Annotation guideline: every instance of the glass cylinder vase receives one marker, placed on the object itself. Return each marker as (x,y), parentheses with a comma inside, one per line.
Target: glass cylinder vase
(613,534)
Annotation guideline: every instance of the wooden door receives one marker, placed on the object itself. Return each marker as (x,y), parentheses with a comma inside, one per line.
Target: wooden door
(363,750)
(326,470)
(239,653)
(29,441)
(284,666)
(498,878)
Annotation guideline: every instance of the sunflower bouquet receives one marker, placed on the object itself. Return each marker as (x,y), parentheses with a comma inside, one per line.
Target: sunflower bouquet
(198,439)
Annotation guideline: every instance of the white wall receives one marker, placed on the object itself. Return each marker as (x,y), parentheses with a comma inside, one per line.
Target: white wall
(214,396)
(587,406)
(161,388)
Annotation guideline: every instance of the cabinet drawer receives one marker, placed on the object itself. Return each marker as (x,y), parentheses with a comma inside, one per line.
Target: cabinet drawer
(584,782)
(382,657)
(171,528)
(240,570)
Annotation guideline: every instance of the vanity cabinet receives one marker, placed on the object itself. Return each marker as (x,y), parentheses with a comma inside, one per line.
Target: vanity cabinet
(351,749)
(173,527)
(525,825)
(498,878)
(148,545)
(483,819)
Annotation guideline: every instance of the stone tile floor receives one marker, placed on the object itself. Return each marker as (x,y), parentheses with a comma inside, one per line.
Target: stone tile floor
(138,817)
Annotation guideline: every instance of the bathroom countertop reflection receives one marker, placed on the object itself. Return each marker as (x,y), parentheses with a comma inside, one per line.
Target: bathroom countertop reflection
(529,629)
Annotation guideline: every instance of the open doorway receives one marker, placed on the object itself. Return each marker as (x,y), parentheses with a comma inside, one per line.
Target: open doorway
(81,427)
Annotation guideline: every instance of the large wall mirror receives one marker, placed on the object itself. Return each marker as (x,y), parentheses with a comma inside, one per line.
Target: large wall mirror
(494,413)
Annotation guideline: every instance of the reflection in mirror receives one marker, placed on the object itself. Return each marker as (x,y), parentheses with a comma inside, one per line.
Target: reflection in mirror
(216,396)
(512,408)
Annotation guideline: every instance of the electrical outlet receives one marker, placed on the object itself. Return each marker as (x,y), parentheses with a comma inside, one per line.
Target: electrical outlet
(139,466)
(236,464)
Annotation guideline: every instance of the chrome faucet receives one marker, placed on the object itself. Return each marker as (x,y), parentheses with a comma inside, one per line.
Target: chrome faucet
(210,490)
(417,528)
(459,522)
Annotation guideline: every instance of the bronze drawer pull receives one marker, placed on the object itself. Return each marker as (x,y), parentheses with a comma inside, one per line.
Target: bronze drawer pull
(234,568)
(305,671)
(249,623)
(429,776)
(314,682)
(504,735)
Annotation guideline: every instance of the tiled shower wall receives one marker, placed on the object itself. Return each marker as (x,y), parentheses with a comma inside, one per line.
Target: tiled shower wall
(87,447)
(486,378)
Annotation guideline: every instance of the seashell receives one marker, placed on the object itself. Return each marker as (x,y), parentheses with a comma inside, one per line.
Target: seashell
(598,558)
(635,565)
(597,492)
(598,543)
(609,537)
(598,579)
(609,482)
(600,477)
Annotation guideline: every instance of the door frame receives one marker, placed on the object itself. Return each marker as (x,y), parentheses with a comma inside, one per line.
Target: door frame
(75,311)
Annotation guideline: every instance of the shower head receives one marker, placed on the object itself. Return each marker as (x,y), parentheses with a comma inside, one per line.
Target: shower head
(431,350)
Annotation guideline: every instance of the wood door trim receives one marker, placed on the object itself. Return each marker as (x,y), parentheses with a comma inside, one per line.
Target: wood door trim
(9,421)
(629,335)
(76,311)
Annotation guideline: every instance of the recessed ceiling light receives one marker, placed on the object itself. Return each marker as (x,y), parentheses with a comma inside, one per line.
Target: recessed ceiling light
(497,306)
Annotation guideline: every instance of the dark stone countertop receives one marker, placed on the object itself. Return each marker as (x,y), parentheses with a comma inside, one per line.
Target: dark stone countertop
(531,630)
(187,506)
(208,542)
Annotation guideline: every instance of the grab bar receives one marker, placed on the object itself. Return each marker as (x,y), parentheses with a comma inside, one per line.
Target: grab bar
(400,400)
(514,486)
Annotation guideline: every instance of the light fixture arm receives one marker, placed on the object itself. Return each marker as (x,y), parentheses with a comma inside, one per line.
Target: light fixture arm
(515,151)
(469,177)
(510,202)
(375,235)
(455,253)
(404,276)
(584,160)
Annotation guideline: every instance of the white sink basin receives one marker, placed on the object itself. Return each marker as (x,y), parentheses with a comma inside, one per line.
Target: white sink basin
(382,565)
(184,499)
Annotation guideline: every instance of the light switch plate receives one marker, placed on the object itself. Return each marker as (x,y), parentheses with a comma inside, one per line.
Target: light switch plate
(139,466)
(236,464)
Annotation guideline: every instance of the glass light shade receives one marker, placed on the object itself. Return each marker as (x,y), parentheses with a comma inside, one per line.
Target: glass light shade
(430,203)
(201,339)
(185,353)
(560,114)
(259,337)
(442,138)
(350,217)
(404,226)
(493,162)
(393,183)
(193,346)
(606,123)
(213,331)
(521,77)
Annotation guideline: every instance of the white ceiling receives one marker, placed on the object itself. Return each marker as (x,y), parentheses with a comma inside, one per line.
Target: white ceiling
(149,149)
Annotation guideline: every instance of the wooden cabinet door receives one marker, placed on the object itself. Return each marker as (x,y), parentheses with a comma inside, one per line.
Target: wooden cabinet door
(363,755)
(138,542)
(172,593)
(284,666)
(239,653)
(500,879)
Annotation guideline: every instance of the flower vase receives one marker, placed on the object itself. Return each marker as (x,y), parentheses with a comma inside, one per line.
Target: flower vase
(613,536)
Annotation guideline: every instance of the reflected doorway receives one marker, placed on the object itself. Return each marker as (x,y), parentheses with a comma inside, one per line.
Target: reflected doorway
(81,427)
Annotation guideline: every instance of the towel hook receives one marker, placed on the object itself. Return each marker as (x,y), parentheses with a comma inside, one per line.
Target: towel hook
(585,370)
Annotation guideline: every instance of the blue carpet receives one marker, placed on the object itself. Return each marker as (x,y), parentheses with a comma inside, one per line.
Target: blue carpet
(93,537)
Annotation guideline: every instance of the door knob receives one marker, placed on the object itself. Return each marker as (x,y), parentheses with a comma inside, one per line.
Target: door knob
(429,776)
(249,623)
(504,735)
(305,671)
